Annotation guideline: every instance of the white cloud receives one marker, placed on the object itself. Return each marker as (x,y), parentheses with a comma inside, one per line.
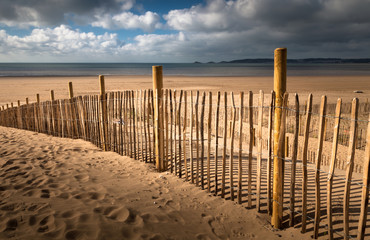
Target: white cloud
(127,20)
(56,42)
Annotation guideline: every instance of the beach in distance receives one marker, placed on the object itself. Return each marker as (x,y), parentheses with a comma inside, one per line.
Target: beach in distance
(13,89)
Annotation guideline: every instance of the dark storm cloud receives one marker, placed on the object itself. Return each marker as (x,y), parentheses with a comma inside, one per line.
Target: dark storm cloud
(54,12)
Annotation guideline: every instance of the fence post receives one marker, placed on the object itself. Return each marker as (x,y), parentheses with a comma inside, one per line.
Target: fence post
(52,95)
(280,59)
(38,98)
(70,88)
(161,164)
(27,102)
(103,114)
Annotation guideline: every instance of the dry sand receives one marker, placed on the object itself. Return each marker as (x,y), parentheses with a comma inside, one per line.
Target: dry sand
(53,188)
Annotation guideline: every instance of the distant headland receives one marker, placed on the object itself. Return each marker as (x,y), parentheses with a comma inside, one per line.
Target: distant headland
(304,60)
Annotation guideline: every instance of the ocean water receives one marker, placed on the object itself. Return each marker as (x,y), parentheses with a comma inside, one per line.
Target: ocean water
(184,69)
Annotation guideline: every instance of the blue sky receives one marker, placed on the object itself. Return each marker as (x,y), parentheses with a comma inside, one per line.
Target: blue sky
(181,31)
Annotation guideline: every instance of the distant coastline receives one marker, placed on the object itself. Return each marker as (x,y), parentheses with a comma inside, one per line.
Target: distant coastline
(304,60)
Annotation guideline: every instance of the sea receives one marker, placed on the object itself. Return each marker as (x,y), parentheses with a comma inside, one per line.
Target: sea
(181,69)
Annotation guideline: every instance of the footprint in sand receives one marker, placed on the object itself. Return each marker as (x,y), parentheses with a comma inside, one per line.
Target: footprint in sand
(82,178)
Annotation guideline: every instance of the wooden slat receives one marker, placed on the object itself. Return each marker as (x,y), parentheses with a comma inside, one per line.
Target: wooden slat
(209,132)
(197,138)
(184,133)
(240,160)
(223,176)
(365,188)
(318,164)
(250,150)
(270,157)
(349,166)
(180,131)
(202,140)
(231,157)
(332,167)
(294,163)
(191,138)
(216,140)
(304,162)
(259,149)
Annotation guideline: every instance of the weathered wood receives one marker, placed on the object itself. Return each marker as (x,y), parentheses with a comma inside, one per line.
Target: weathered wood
(304,162)
(223,174)
(146,122)
(240,159)
(171,131)
(259,149)
(158,116)
(197,138)
(294,163)
(191,138)
(184,138)
(280,59)
(180,131)
(231,157)
(270,153)
(365,188)
(175,131)
(209,132)
(349,166)
(202,140)
(250,150)
(166,124)
(320,141)
(216,140)
(332,167)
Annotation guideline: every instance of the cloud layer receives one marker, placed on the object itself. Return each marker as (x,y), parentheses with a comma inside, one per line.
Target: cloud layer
(215,30)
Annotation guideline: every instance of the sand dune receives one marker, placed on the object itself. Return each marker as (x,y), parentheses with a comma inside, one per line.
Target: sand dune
(54,188)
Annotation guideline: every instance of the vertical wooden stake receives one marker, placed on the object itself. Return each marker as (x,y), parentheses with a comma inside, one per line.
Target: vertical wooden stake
(280,60)
(191,138)
(240,165)
(184,138)
(223,179)
(209,142)
(332,167)
(157,86)
(197,137)
(365,188)
(202,140)
(349,166)
(216,140)
(70,87)
(294,162)
(270,153)
(231,157)
(52,98)
(250,152)
(304,162)
(318,165)
(103,114)
(259,147)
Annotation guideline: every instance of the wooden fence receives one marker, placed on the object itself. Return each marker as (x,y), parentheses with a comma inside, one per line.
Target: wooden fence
(223,142)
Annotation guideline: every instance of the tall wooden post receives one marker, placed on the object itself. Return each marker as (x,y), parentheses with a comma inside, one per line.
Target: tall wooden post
(27,102)
(38,98)
(52,98)
(161,164)
(280,60)
(70,87)
(103,115)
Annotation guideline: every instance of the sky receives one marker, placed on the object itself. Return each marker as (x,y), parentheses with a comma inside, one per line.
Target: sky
(168,31)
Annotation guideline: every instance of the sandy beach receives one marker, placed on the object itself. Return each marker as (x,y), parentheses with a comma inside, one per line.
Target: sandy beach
(13,89)
(59,188)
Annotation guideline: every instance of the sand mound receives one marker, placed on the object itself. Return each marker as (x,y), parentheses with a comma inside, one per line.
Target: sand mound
(53,188)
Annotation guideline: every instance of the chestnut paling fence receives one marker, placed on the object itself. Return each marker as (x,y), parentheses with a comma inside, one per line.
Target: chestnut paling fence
(223,143)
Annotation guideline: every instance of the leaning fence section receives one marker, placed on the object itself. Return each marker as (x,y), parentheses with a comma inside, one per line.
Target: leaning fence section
(222,142)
